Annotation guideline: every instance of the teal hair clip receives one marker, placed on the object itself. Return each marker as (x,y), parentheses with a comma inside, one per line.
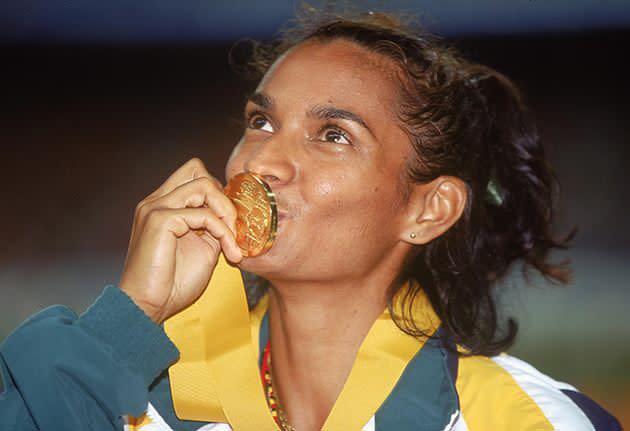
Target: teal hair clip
(494,192)
(473,81)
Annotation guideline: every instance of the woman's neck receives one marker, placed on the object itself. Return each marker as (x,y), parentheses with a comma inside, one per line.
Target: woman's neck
(316,332)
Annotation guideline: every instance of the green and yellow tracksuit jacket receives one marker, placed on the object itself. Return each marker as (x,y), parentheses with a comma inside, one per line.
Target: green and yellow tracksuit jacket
(102,369)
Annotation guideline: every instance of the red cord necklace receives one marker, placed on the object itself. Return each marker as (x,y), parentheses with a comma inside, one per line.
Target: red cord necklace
(272,399)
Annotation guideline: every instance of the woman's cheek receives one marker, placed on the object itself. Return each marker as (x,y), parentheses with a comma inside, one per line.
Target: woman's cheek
(232,165)
(325,188)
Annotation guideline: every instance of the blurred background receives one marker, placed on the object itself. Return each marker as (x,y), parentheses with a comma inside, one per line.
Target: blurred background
(103,100)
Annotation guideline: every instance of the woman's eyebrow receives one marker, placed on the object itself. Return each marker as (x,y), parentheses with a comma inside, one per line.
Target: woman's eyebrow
(263,100)
(330,112)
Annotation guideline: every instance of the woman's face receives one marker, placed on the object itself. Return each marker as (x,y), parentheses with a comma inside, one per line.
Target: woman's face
(321,129)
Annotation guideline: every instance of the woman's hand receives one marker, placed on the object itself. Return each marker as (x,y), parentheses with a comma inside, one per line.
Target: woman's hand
(178,232)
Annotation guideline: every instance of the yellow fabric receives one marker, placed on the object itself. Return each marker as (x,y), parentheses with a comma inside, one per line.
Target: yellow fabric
(490,398)
(217,378)
(136,424)
(381,360)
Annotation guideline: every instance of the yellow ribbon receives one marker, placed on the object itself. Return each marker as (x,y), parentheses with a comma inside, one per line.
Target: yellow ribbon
(217,378)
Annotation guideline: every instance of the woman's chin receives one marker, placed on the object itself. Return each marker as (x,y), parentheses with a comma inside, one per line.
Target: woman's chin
(264,264)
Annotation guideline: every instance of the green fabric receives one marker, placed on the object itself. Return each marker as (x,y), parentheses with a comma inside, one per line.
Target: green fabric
(82,372)
(160,397)
(60,371)
(14,415)
(3,370)
(424,397)
(137,341)
(263,337)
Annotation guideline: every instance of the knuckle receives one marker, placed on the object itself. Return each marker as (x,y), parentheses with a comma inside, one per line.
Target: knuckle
(156,217)
(209,182)
(194,200)
(195,161)
(207,214)
(196,166)
(141,208)
(231,211)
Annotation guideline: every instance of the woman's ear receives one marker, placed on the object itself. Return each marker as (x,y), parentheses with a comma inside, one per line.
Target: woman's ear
(433,208)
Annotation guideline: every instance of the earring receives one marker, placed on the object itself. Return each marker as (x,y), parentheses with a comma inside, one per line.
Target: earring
(412,235)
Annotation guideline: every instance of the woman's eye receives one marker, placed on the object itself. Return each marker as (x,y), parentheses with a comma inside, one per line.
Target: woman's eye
(259,122)
(336,136)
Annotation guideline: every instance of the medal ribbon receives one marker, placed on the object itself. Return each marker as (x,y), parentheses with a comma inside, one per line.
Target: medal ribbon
(217,378)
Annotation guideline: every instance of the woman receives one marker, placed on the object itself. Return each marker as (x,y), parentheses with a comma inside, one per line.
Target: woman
(407,181)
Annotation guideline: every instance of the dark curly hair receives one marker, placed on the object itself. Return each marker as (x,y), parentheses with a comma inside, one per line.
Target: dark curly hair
(468,121)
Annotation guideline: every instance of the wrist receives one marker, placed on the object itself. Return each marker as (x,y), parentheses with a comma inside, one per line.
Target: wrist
(136,341)
(152,311)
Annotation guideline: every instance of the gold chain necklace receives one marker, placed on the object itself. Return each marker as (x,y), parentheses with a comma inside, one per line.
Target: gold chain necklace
(272,400)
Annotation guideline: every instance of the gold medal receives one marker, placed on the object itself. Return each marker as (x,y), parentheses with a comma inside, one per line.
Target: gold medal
(257,217)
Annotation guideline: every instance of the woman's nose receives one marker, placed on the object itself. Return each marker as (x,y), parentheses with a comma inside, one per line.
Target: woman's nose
(272,160)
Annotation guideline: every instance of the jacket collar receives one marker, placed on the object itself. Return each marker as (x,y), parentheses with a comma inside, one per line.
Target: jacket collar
(403,379)
(424,397)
